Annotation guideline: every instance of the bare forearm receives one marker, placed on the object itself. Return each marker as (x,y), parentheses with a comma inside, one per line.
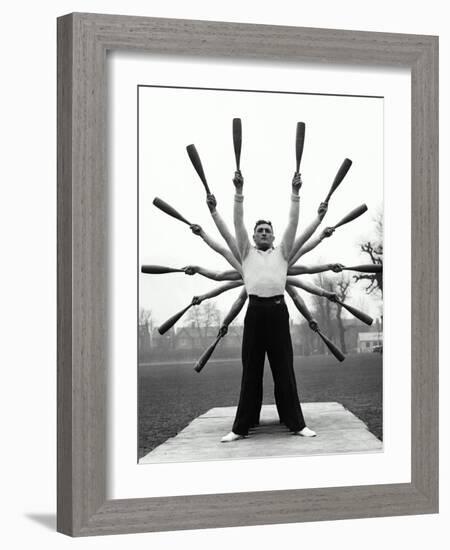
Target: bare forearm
(302,269)
(229,275)
(299,302)
(220,289)
(226,234)
(307,247)
(309,287)
(238,304)
(221,250)
(304,236)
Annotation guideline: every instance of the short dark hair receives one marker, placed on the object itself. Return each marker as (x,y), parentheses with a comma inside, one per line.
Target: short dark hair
(262,222)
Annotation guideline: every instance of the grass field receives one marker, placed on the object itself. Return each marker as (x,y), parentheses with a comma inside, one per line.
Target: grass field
(172,395)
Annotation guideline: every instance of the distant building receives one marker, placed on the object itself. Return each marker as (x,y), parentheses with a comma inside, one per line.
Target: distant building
(189,340)
(189,337)
(306,342)
(233,339)
(353,328)
(166,341)
(367,341)
(192,337)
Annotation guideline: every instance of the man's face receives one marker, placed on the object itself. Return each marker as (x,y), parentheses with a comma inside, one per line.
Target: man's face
(263,236)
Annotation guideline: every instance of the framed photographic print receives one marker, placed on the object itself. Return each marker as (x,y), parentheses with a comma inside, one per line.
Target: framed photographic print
(172,399)
(167,130)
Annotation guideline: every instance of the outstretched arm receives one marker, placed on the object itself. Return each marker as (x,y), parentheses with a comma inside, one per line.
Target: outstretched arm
(309,230)
(197,230)
(291,229)
(238,304)
(301,306)
(311,244)
(243,242)
(309,287)
(229,275)
(235,309)
(216,292)
(302,269)
(222,226)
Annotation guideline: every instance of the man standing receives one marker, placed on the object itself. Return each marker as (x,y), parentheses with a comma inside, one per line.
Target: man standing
(266,325)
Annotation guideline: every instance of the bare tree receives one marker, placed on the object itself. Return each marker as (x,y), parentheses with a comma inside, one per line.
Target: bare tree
(200,319)
(374,249)
(342,290)
(326,311)
(323,308)
(145,321)
(145,317)
(304,339)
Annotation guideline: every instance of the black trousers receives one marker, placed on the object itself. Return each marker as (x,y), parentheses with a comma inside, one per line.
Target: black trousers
(266,330)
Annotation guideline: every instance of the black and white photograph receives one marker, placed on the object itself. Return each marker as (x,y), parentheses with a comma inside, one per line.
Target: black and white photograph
(260,266)
(222,310)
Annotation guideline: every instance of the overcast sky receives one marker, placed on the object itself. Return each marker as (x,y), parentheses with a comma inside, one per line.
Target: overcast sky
(336,127)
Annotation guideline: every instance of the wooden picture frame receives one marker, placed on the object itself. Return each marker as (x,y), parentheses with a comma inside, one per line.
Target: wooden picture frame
(83,41)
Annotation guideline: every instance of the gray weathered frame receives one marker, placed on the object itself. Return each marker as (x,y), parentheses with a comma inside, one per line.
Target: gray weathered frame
(83,40)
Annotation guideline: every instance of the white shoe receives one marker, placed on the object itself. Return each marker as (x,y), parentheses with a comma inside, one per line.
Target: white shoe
(231,437)
(306,432)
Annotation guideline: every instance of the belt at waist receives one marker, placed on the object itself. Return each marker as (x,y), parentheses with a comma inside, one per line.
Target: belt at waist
(253,299)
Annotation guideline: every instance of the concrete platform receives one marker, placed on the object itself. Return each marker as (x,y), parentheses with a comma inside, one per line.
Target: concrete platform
(338,431)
